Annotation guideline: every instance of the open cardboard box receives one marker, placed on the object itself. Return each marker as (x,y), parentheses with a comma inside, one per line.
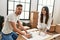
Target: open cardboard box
(57,28)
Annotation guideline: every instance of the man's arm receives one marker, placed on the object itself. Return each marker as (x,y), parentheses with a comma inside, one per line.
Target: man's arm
(16,29)
(21,26)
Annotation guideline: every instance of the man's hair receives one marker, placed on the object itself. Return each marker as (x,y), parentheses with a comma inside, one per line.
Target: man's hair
(19,5)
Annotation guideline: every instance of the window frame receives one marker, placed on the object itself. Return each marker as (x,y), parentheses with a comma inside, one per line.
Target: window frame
(52,9)
(23,11)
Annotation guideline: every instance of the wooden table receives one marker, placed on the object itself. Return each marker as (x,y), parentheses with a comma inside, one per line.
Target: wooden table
(20,37)
(52,37)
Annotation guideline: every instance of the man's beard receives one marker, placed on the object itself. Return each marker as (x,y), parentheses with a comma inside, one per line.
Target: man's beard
(19,13)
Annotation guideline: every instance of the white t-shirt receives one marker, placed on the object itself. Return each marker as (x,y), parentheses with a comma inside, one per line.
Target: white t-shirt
(43,25)
(7,28)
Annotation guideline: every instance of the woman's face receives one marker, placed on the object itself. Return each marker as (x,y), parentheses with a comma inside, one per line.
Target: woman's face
(43,11)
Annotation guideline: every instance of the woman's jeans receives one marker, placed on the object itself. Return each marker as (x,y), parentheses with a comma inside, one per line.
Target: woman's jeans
(11,36)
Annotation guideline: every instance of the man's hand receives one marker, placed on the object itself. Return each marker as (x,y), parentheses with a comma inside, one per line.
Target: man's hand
(28,35)
(21,26)
(25,30)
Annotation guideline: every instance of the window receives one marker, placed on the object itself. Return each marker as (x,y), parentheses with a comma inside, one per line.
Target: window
(48,3)
(26,7)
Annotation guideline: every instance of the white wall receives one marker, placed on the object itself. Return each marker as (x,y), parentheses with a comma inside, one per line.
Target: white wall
(56,15)
(3,7)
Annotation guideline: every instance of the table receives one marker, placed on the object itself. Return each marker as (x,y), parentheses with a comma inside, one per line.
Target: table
(35,36)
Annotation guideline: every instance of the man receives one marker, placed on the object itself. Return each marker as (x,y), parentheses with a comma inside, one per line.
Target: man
(11,23)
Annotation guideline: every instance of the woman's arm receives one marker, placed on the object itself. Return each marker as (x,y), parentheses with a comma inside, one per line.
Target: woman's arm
(39,24)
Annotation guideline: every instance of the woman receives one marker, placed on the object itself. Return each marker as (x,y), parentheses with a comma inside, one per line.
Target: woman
(44,20)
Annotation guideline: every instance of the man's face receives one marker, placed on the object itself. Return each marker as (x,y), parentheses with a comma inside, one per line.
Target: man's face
(18,10)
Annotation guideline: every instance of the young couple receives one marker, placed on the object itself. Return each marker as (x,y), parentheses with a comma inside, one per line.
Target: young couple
(12,20)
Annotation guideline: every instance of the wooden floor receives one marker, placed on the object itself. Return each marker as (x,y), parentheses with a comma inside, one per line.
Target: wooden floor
(0,36)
